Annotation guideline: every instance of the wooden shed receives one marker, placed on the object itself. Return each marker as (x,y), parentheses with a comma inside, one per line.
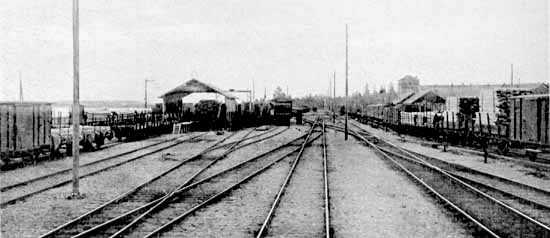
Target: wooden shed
(24,128)
(529,118)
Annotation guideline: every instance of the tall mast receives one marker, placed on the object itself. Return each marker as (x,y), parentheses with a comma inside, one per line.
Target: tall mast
(334,97)
(346,106)
(511,75)
(20,87)
(76,102)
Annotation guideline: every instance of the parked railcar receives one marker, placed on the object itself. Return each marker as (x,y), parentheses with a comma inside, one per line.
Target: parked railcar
(281,111)
(529,119)
(24,129)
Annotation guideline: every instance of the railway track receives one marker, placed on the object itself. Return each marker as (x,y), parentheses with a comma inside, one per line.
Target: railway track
(63,171)
(271,216)
(326,185)
(533,201)
(490,213)
(212,189)
(22,190)
(59,178)
(122,211)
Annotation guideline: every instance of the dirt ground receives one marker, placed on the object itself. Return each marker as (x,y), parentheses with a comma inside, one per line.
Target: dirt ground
(46,167)
(242,211)
(502,168)
(45,211)
(369,199)
(301,210)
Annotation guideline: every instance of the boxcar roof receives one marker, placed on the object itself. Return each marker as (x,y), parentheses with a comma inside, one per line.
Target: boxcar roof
(24,103)
(532,96)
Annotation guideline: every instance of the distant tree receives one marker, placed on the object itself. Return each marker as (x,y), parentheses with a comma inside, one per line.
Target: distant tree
(366,91)
(279,94)
(392,94)
(382,90)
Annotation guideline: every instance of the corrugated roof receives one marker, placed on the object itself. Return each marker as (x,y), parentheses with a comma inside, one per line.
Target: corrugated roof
(194,86)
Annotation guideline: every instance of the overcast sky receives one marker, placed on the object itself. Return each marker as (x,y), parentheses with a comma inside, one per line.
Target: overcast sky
(282,42)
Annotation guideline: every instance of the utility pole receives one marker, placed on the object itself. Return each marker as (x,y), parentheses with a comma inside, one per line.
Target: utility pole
(146,81)
(329,101)
(20,87)
(76,103)
(253,90)
(334,97)
(346,106)
(511,75)
(288,95)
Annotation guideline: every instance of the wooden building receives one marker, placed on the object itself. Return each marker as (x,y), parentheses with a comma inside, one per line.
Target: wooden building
(172,100)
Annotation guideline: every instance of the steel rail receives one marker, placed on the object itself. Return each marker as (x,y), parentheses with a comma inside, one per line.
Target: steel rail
(67,181)
(172,193)
(18,184)
(148,205)
(283,186)
(225,191)
(326,185)
(491,176)
(415,158)
(472,171)
(254,136)
(522,200)
(425,185)
(420,181)
(544,228)
(259,140)
(133,190)
(528,190)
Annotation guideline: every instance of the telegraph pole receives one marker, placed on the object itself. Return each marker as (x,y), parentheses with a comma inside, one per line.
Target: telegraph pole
(511,75)
(146,81)
(20,87)
(334,97)
(346,104)
(76,103)
(287,91)
(329,94)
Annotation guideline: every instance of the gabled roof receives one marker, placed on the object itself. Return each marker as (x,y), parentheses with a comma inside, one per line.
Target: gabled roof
(403,98)
(429,96)
(194,86)
(541,89)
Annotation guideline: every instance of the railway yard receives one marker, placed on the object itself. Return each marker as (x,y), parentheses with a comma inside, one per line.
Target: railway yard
(334,119)
(279,181)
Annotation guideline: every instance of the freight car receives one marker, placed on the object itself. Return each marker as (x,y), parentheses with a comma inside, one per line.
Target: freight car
(529,116)
(24,130)
(281,111)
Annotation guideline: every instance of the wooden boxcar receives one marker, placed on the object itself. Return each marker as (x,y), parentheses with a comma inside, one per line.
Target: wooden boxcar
(529,119)
(281,111)
(24,129)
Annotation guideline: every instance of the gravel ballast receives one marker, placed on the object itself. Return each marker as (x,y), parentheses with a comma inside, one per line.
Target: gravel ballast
(369,199)
(46,167)
(301,210)
(47,210)
(241,212)
(502,168)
